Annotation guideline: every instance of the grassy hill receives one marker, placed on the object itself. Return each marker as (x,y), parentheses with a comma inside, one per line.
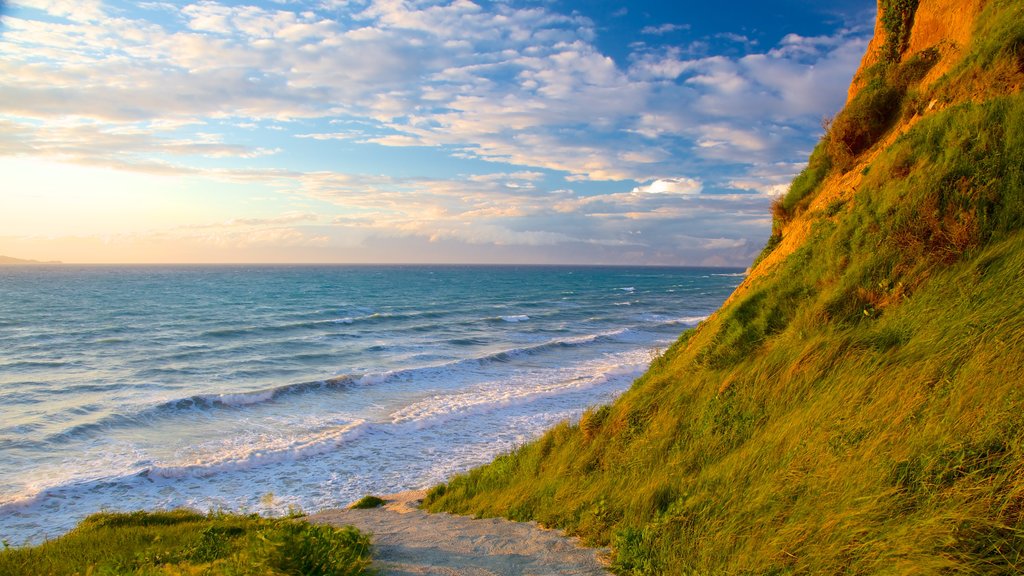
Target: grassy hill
(182,542)
(857,406)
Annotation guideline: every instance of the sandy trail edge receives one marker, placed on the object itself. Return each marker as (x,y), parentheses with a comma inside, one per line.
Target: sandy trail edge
(409,541)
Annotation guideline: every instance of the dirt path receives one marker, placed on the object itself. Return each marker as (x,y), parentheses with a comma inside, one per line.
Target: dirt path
(408,541)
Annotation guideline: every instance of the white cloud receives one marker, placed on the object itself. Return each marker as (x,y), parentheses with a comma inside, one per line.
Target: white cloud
(502,84)
(75,10)
(523,87)
(671,186)
(664,29)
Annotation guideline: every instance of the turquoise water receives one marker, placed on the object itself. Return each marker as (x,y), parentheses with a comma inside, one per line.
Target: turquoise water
(258,388)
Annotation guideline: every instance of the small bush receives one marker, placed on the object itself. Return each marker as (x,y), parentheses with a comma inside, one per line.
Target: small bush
(316,550)
(835,207)
(863,122)
(635,553)
(914,69)
(367,502)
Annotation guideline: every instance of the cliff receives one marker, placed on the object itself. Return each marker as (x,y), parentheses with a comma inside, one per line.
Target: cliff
(855,406)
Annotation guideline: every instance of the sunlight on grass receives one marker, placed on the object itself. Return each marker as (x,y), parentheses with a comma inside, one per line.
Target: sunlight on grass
(186,542)
(858,410)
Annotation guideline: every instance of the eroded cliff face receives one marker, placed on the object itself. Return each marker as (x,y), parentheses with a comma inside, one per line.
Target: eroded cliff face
(941,29)
(943,25)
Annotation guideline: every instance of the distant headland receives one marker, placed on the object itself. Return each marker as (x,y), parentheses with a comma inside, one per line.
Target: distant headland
(9,261)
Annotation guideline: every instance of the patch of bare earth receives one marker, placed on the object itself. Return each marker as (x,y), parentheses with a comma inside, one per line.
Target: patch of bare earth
(408,541)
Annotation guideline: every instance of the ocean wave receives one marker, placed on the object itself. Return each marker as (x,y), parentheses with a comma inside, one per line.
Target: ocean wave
(34,364)
(226,457)
(201,402)
(246,399)
(441,408)
(241,456)
(514,318)
(321,323)
(468,341)
(685,320)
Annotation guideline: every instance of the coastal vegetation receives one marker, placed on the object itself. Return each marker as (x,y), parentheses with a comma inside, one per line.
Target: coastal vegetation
(855,407)
(183,542)
(366,502)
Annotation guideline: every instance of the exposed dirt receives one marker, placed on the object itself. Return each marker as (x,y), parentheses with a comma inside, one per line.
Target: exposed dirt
(408,541)
(946,25)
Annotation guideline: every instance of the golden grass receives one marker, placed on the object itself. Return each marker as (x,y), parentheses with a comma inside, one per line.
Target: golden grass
(855,407)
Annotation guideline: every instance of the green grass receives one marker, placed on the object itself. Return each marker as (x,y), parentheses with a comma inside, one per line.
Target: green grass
(808,182)
(367,502)
(857,411)
(897,20)
(185,542)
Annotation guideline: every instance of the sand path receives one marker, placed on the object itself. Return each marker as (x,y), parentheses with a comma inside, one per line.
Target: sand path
(408,541)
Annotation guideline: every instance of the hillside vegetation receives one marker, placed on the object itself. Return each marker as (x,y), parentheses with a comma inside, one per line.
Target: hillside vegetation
(857,406)
(182,542)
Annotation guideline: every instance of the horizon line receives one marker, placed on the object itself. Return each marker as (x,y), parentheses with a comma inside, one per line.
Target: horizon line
(37,263)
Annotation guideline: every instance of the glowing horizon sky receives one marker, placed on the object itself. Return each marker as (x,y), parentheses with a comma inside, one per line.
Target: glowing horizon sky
(517,131)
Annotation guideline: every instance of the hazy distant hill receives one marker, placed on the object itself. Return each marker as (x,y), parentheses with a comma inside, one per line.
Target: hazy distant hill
(857,406)
(9,261)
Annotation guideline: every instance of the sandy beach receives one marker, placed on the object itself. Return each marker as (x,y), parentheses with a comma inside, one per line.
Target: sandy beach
(409,541)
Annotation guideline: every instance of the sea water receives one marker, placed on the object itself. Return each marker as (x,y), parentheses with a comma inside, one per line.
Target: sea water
(264,388)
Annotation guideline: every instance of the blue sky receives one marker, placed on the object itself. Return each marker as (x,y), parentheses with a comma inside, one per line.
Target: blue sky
(411,131)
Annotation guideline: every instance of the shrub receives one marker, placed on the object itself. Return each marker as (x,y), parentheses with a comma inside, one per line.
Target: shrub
(635,552)
(863,122)
(897,19)
(914,69)
(316,550)
(367,502)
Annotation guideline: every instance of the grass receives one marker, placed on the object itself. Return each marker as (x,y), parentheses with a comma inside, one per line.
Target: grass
(897,21)
(856,411)
(181,542)
(807,183)
(367,502)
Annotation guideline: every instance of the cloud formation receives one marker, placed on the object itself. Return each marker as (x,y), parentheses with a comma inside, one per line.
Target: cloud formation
(559,143)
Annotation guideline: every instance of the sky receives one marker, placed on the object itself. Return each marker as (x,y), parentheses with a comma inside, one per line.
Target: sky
(411,131)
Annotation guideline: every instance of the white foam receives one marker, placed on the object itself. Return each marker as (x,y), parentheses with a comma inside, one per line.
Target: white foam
(516,318)
(257,450)
(494,395)
(377,377)
(242,398)
(688,320)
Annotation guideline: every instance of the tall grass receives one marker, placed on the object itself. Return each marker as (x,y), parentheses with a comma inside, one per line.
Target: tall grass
(186,542)
(857,411)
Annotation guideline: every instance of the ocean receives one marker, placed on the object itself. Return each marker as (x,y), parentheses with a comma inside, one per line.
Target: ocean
(269,388)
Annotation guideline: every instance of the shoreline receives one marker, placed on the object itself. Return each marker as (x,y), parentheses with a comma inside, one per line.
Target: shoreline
(408,540)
